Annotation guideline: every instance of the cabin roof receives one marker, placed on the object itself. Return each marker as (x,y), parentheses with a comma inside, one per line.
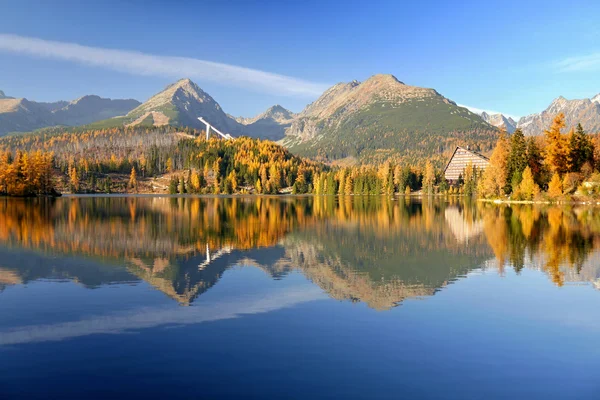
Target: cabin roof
(476,154)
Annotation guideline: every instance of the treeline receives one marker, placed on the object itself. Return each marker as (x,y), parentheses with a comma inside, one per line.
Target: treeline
(86,160)
(553,165)
(26,174)
(370,180)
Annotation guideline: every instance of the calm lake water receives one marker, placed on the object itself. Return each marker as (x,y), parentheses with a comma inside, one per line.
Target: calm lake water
(297,298)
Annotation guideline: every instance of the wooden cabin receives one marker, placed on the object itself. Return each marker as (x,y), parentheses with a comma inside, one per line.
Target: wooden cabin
(459,161)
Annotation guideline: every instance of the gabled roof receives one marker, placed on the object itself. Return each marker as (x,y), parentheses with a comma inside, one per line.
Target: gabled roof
(470,151)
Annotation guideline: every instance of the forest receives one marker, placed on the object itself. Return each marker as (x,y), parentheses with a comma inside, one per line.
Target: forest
(26,174)
(120,159)
(171,160)
(550,167)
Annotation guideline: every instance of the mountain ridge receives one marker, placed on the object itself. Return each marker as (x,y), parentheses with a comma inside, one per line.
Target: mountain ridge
(370,121)
(584,111)
(23,115)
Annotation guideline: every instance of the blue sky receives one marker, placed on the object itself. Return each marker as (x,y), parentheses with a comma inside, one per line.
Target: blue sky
(504,56)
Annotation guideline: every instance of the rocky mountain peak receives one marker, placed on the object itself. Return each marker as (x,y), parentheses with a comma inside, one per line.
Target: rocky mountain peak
(499,121)
(384,79)
(278,112)
(584,111)
(3,96)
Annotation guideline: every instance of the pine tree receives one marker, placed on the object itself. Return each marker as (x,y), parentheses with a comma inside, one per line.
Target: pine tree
(517,159)
(173,185)
(534,160)
(181,188)
(581,149)
(470,185)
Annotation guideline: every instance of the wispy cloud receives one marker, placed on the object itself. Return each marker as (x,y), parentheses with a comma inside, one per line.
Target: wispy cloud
(137,63)
(585,63)
(480,110)
(151,317)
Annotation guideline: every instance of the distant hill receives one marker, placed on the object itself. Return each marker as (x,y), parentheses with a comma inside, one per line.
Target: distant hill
(92,108)
(271,124)
(22,115)
(584,111)
(382,118)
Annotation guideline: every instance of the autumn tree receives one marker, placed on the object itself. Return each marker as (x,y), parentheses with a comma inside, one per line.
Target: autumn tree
(555,186)
(428,178)
(258,187)
(528,189)
(557,149)
(133,184)
(195,182)
(495,177)
(470,180)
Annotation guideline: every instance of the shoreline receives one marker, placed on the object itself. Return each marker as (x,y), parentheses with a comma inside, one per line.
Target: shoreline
(559,202)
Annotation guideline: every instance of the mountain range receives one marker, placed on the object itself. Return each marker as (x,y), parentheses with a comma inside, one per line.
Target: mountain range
(362,122)
(584,111)
(370,121)
(22,115)
(181,103)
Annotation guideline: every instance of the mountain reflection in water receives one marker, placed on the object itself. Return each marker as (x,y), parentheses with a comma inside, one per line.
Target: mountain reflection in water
(374,250)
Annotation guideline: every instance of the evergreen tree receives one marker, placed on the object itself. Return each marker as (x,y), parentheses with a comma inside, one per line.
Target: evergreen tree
(581,149)
(534,160)
(470,185)
(517,159)
(173,185)
(181,187)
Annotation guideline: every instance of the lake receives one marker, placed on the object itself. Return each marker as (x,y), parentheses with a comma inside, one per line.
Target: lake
(298,298)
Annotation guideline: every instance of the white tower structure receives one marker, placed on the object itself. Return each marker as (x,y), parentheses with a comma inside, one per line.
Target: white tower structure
(209,127)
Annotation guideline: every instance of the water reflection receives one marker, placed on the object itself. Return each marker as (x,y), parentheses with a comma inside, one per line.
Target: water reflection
(370,249)
(562,241)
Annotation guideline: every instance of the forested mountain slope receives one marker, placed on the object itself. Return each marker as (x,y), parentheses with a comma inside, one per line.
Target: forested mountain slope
(382,118)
